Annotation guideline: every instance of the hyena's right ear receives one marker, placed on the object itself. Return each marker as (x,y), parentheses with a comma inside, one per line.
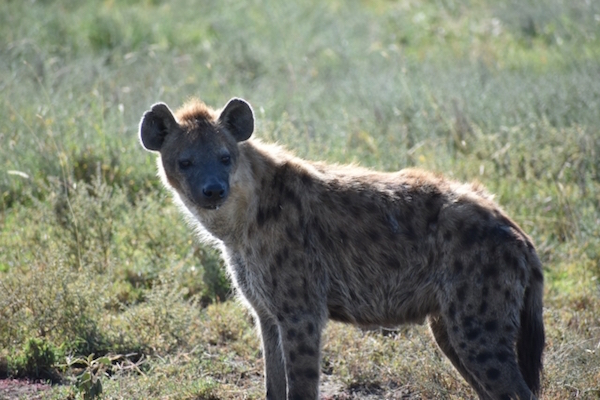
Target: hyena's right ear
(155,125)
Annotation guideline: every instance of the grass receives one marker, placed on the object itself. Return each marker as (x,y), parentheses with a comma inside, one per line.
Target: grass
(100,275)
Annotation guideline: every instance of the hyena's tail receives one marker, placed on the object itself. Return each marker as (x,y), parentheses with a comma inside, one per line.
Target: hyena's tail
(531,341)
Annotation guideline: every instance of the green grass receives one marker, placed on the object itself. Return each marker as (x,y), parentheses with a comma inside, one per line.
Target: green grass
(95,261)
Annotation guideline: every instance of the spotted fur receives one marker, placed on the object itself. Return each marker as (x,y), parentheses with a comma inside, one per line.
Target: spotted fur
(305,242)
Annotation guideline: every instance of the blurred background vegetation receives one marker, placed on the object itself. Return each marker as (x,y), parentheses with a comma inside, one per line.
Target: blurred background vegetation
(102,283)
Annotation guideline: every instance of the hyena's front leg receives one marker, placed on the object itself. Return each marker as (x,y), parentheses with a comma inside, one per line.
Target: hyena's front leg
(300,338)
(275,380)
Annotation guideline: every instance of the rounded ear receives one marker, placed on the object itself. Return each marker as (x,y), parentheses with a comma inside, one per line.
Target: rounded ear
(238,118)
(155,125)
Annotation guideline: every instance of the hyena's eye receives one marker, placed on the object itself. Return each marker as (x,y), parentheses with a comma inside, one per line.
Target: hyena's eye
(183,164)
(226,159)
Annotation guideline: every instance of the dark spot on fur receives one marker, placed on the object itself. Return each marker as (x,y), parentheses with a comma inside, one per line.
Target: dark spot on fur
(490,272)
(506,294)
(497,286)
(491,326)
(483,357)
(310,328)
(286,308)
(471,236)
(493,374)
(448,236)
(468,322)
(305,350)
(458,267)
(502,356)
(291,333)
(484,292)
(505,397)
(260,217)
(290,233)
(462,345)
(473,334)
(483,307)
(310,373)
(274,283)
(452,310)
(280,317)
(508,259)
(509,328)
(461,293)
(292,356)
(292,293)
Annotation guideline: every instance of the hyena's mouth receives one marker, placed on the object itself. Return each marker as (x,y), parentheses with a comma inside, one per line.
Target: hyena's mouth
(211,206)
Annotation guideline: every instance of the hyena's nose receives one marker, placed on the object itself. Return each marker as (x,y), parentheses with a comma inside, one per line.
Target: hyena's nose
(214,190)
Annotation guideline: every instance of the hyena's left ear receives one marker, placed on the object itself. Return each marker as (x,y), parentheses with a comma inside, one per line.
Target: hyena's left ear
(238,118)
(155,125)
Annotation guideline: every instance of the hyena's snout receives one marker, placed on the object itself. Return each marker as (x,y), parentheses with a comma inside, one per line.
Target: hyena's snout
(212,194)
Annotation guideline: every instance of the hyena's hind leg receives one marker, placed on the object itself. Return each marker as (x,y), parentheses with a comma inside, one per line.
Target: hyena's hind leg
(481,332)
(439,329)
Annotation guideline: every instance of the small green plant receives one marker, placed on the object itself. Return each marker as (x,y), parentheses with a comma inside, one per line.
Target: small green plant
(36,360)
(89,382)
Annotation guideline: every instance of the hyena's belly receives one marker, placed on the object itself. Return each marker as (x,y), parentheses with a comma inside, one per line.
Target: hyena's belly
(385,298)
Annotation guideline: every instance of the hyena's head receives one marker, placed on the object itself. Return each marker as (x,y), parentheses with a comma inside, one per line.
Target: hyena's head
(198,147)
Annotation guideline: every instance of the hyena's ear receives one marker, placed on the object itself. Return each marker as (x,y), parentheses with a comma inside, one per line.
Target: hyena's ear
(238,118)
(155,125)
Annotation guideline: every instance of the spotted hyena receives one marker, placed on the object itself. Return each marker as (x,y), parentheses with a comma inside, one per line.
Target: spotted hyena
(307,241)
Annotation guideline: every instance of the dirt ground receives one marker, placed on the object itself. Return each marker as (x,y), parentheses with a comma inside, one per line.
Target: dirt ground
(11,389)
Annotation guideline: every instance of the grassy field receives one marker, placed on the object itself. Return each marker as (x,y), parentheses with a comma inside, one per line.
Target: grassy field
(102,284)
